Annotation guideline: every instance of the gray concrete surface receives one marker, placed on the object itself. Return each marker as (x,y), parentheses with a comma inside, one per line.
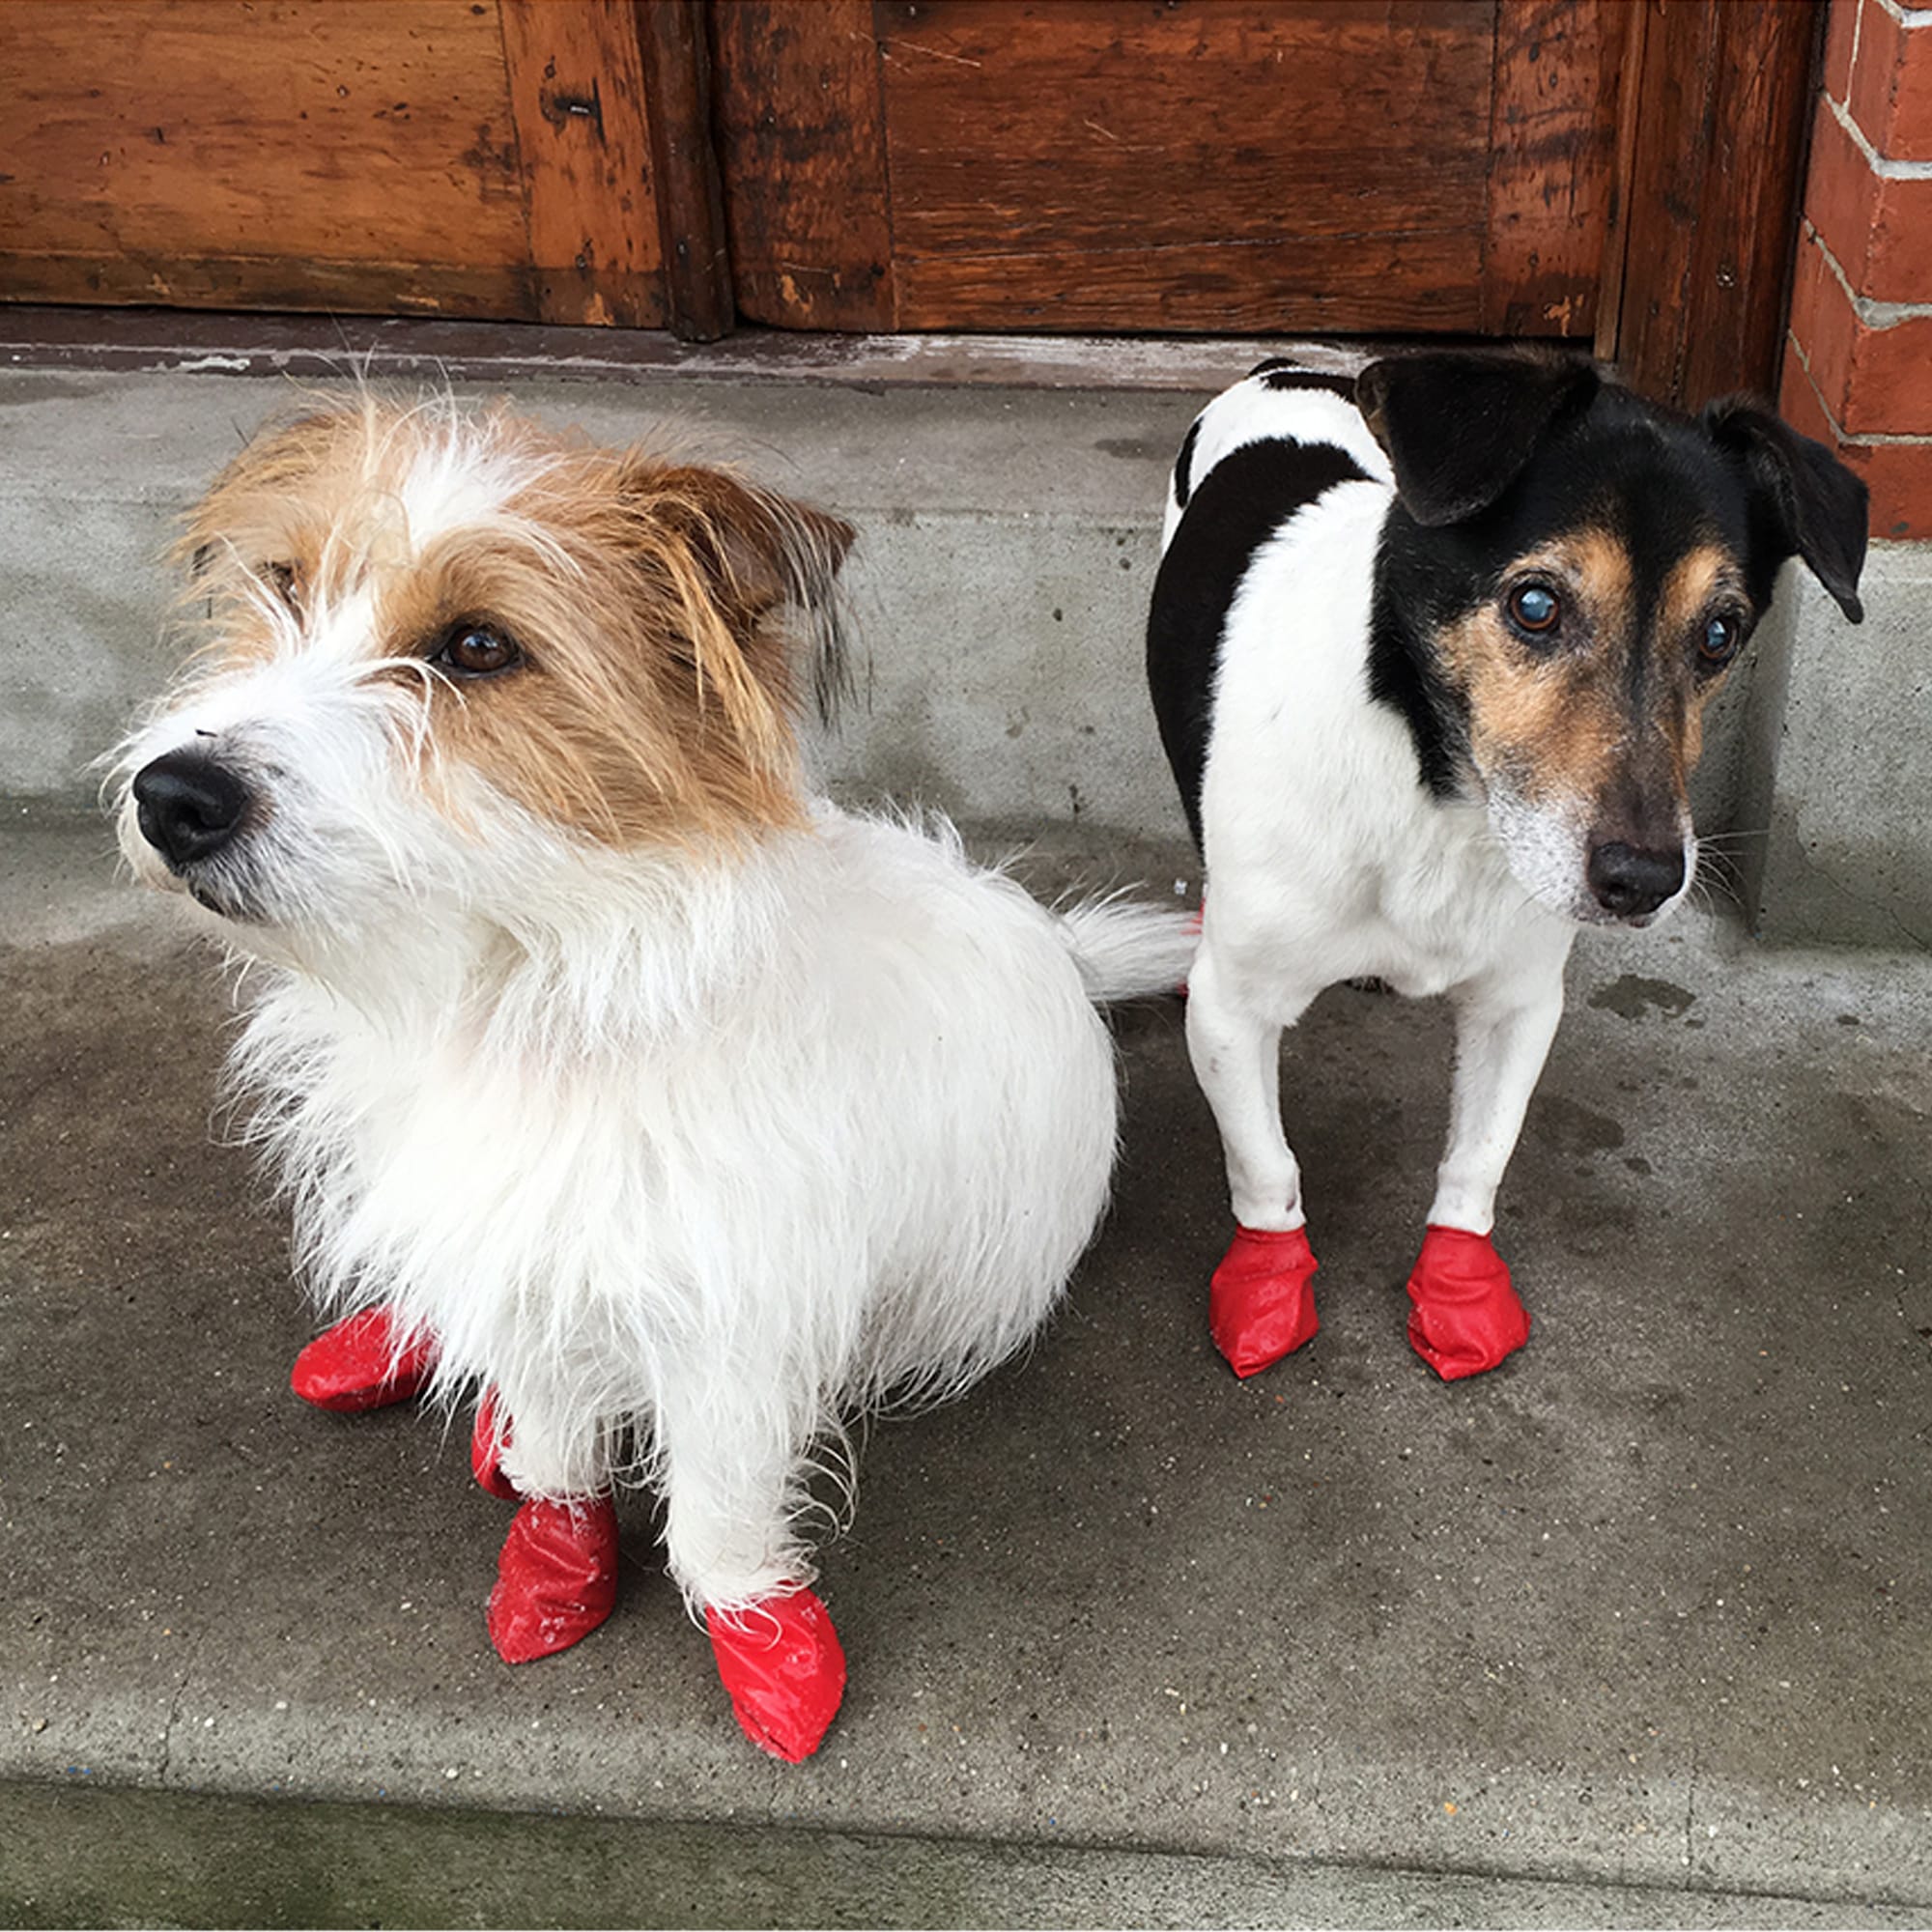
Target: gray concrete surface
(172,1859)
(1642,1614)
(1848,857)
(1009,540)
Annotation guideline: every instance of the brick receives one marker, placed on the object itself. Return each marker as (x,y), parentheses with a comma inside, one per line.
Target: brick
(1890,91)
(1899,478)
(1879,229)
(1898,474)
(1817,326)
(1873,381)
(1798,405)
(1840,35)
(1887,379)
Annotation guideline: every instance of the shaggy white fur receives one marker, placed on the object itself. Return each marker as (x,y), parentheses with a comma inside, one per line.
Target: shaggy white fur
(689,1148)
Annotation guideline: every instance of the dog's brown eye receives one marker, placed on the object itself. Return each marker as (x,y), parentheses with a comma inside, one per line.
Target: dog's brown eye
(1535,608)
(281,578)
(475,650)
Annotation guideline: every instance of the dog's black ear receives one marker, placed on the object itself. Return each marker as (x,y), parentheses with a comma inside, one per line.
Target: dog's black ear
(1819,509)
(1457,428)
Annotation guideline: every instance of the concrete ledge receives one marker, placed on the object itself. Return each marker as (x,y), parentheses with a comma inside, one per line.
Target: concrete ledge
(1847,857)
(1642,1609)
(160,1859)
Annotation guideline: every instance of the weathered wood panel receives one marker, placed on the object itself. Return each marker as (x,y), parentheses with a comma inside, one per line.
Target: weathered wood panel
(146,145)
(576,91)
(1717,152)
(799,119)
(1121,152)
(674,42)
(1380,283)
(1552,173)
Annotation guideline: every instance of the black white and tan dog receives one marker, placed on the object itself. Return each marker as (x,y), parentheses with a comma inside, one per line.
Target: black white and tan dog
(1430,651)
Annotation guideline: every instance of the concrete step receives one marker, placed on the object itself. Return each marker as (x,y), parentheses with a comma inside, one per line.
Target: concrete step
(999,590)
(1008,497)
(1629,1632)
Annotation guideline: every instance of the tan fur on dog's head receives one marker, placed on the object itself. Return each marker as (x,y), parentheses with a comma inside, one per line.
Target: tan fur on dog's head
(661,615)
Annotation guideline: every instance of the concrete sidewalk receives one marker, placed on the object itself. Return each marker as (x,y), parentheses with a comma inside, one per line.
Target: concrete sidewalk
(1632,1631)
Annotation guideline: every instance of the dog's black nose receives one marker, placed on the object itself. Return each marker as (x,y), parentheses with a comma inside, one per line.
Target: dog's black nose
(188,805)
(1630,881)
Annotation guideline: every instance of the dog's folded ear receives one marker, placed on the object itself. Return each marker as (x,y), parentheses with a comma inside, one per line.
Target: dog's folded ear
(1459,426)
(1817,508)
(767,562)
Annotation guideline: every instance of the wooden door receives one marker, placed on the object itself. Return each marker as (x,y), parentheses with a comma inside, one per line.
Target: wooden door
(413,157)
(1224,165)
(1622,170)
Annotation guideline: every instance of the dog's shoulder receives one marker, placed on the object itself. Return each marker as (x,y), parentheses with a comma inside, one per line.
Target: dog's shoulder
(1258,456)
(1262,424)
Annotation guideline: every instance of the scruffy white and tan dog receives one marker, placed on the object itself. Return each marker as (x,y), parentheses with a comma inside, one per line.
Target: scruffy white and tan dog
(607,1067)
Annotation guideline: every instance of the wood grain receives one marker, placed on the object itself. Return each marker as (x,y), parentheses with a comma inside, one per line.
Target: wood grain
(577,92)
(1377,283)
(147,144)
(1553,170)
(1715,175)
(1108,165)
(273,282)
(799,121)
(1089,122)
(673,37)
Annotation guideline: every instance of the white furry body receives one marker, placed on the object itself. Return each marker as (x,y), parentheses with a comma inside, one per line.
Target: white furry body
(686,1142)
(1327,861)
(709,1156)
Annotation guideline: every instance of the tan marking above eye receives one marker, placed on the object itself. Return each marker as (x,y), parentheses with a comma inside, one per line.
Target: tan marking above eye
(1589,573)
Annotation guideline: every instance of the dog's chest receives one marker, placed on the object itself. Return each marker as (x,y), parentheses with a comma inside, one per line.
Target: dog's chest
(464,1180)
(1327,856)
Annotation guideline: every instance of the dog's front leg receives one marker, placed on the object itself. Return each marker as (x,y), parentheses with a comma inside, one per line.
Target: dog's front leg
(1466,1315)
(557,1577)
(1260,1306)
(732,1458)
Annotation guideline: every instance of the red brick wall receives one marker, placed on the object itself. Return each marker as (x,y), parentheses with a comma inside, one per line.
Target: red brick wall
(1858,361)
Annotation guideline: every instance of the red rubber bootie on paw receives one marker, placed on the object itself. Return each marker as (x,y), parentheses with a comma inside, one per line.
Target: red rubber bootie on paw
(487,1443)
(1465,1316)
(557,1580)
(782,1663)
(356,1365)
(1260,1304)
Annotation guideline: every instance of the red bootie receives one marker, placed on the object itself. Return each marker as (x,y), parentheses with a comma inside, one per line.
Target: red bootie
(557,1580)
(364,1362)
(487,1443)
(1260,1305)
(1466,1317)
(782,1662)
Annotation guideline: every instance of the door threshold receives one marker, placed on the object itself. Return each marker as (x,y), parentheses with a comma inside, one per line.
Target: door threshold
(199,342)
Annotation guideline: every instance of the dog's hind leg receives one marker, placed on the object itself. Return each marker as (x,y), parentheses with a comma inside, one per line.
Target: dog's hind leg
(1466,1315)
(1260,1306)
(731,1457)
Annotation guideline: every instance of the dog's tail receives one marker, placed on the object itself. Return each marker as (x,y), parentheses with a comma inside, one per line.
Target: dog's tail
(1127,948)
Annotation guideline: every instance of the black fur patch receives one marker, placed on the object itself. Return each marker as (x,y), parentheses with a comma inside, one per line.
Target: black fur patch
(1183,464)
(1240,503)
(1402,675)
(1278,373)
